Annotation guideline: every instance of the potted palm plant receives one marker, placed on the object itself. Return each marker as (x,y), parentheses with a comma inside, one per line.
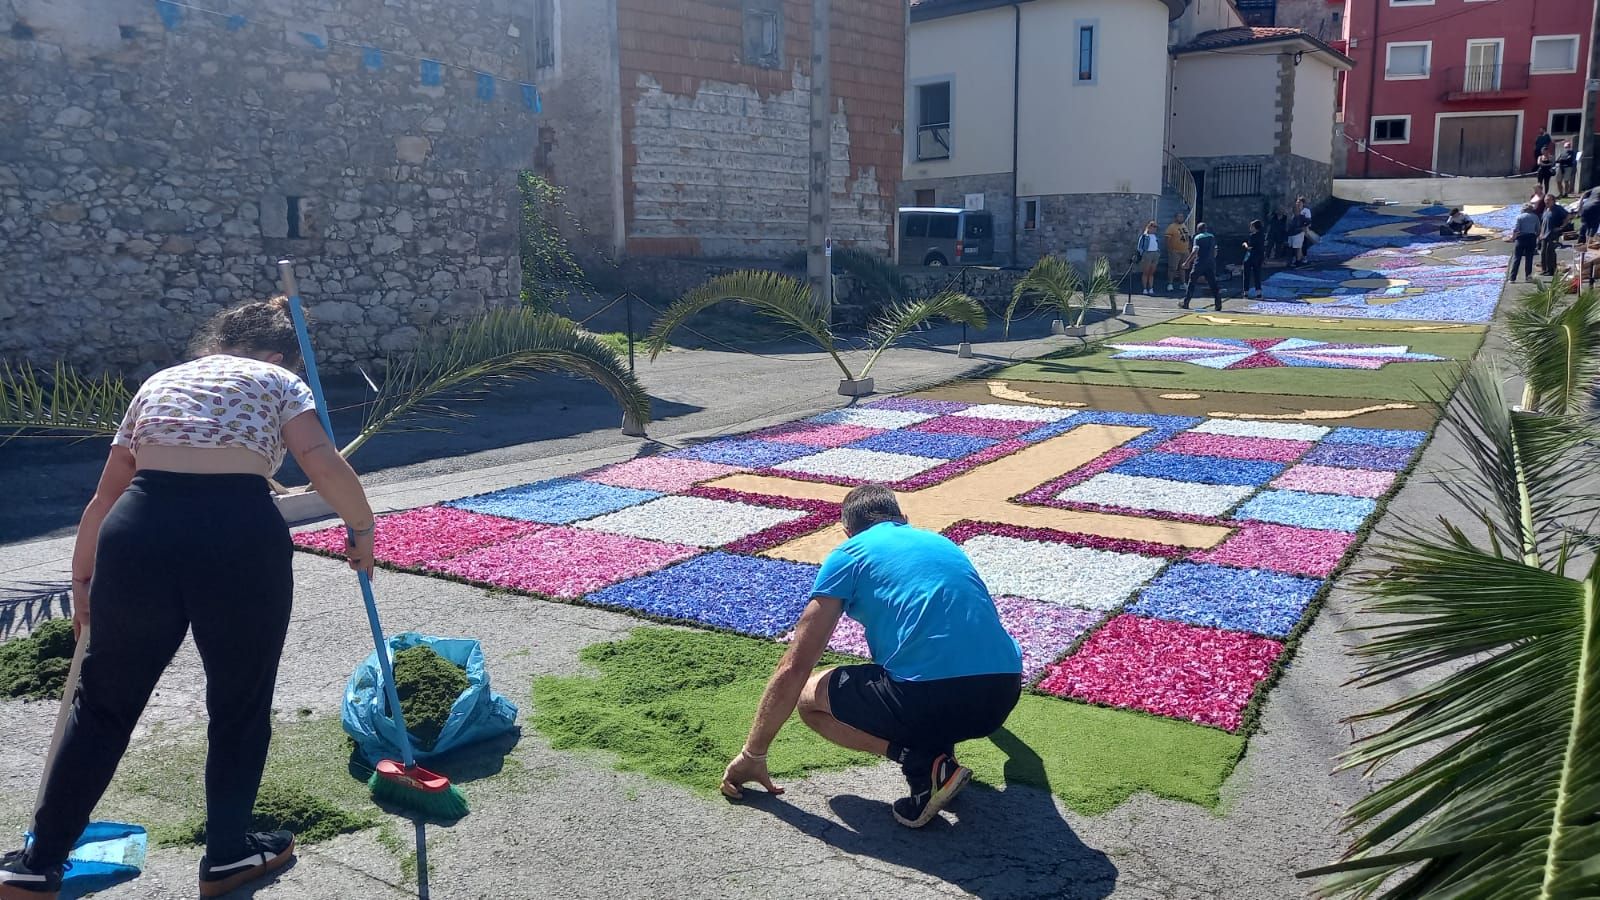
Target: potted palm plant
(1050,284)
(789,300)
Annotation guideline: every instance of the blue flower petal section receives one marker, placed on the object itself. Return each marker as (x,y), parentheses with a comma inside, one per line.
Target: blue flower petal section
(916,443)
(747,594)
(1202,469)
(1377,437)
(1330,512)
(556,502)
(1360,456)
(1265,603)
(755,454)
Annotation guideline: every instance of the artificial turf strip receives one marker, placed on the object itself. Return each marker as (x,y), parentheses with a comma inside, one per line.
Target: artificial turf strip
(677,704)
(1408,381)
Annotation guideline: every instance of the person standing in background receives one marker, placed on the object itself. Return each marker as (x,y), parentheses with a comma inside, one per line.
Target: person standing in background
(1566,167)
(1526,236)
(1177,250)
(1255,246)
(1149,256)
(1544,169)
(1541,142)
(1551,224)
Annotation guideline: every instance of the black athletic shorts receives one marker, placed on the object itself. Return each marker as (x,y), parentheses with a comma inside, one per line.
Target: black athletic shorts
(924,715)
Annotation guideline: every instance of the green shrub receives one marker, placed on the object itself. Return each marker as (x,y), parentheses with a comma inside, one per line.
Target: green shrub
(35,667)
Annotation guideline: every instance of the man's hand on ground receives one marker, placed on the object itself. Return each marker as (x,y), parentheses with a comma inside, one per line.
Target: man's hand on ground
(743,770)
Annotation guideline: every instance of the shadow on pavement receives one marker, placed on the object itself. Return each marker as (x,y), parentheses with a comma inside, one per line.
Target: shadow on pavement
(1010,843)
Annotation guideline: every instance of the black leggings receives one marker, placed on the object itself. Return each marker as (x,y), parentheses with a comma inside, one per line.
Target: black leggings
(208,552)
(1252,273)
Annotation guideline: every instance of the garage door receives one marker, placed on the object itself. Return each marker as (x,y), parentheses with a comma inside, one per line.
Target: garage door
(1477,145)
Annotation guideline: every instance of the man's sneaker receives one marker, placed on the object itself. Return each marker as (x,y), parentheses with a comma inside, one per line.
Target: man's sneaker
(948,778)
(19,882)
(267,852)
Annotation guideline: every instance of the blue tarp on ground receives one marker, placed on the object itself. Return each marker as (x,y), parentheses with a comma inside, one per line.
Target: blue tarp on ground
(479,714)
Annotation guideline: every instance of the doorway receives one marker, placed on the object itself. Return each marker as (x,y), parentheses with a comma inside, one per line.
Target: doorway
(1479,145)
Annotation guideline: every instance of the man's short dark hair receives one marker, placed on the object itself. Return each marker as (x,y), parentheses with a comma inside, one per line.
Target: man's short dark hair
(868,505)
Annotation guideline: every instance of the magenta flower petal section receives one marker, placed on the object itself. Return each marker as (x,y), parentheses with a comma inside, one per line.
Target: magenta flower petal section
(1202,675)
(418,535)
(1280,548)
(1233,447)
(563,562)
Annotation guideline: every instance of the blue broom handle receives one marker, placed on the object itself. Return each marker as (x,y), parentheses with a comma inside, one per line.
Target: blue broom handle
(379,644)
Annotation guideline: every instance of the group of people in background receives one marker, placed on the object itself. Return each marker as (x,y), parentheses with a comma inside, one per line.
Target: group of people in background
(1542,223)
(1193,258)
(1554,163)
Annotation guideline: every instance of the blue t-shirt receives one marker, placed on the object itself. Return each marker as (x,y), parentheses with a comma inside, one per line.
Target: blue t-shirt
(926,612)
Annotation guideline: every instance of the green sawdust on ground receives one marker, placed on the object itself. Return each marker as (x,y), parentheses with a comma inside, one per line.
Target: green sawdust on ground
(1417,381)
(676,705)
(35,667)
(428,686)
(308,786)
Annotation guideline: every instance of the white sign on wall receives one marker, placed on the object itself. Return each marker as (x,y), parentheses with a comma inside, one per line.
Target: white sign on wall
(974,202)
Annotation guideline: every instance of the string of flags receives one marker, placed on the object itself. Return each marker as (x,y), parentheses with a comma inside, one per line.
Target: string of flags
(430,72)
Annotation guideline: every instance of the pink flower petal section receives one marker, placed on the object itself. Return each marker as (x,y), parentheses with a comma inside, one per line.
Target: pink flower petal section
(1269,449)
(1043,630)
(1180,671)
(1280,548)
(659,473)
(564,562)
(967,425)
(1334,480)
(418,535)
(813,435)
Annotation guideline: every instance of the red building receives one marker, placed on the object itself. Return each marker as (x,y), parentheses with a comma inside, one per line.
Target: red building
(1461,86)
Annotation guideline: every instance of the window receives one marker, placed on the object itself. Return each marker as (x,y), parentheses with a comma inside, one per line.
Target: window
(1407,60)
(1391,130)
(942,225)
(917,226)
(933,121)
(1566,122)
(1086,48)
(763,33)
(1556,54)
(292,214)
(544,34)
(1235,181)
(1410,2)
(1030,215)
(924,197)
(978,228)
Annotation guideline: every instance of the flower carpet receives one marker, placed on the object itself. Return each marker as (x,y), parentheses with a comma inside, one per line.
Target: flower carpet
(1157,529)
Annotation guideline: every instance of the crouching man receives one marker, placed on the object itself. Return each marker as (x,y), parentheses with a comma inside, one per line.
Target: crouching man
(944,669)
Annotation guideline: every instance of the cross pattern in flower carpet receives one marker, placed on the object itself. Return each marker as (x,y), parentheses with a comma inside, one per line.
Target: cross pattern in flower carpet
(1266,353)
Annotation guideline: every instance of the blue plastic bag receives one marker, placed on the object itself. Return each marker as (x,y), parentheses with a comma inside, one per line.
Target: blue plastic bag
(479,714)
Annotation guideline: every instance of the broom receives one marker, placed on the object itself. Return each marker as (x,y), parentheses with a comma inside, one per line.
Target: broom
(400,783)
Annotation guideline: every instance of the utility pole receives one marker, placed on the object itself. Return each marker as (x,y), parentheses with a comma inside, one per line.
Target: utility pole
(1588,139)
(817,262)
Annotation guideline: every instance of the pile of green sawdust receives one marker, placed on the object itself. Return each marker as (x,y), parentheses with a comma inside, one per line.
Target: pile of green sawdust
(35,667)
(280,805)
(677,704)
(308,786)
(428,685)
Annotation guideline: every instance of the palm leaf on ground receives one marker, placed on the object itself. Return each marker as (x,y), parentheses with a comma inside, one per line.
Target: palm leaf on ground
(1509,807)
(773,295)
(1051,283)
(1557,346)
(64,401)
(506,343)
(900,319)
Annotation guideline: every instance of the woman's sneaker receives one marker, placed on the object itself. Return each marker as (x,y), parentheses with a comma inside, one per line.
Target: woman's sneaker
(266,852)
(19,882)
(946,779)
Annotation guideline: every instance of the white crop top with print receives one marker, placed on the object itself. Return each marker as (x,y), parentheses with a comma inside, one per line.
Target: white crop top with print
(216,401)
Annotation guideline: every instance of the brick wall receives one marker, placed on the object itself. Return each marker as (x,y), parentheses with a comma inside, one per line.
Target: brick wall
(715,150)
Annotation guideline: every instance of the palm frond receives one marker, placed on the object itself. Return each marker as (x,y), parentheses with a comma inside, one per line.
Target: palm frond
(1101,284)
(64,401)
(773,295)
(1557,346)
(900,319)
(878,277)
(1509,805)
(1051,283)
(504,343)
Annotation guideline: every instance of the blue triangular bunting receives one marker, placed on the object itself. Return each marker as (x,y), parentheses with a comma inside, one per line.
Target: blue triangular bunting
(171,13)
(432,72)
(485,86)
(531,98)
(372,58)
(314,39)
(236,23)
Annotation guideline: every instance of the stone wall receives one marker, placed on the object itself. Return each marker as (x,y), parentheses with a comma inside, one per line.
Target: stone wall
(1315,17)
(1083,227)
(996,191)
(146,172)
(1283,178)
(716,148)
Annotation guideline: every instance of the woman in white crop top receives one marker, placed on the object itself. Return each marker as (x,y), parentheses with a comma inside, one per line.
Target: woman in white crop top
(182,535)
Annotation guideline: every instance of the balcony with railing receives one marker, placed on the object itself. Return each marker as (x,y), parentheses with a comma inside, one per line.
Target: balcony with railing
(1485,82)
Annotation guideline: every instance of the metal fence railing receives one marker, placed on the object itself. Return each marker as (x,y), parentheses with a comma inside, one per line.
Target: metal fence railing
(1235,180)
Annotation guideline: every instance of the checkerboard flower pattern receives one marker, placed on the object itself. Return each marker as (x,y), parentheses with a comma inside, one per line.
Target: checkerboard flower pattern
(1173,631)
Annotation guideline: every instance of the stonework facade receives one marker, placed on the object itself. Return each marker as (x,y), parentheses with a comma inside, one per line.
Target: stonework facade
(716,124)
(953,191)
(1084,227)
(1283,178)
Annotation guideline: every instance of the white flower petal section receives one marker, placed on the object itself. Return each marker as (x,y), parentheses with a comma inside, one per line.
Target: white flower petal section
(1016,413)
(872,418)
(865,465)
(1157,494)
(1059,573)
(695,521)
(1246,428)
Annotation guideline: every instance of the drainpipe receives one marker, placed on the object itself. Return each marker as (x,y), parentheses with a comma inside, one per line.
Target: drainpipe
(1372,84)
(1016,116)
